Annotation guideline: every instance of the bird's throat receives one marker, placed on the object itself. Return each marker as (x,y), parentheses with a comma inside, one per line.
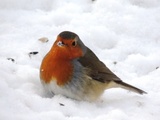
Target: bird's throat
(56,69)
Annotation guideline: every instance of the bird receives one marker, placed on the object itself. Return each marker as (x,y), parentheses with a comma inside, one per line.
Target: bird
(73,70)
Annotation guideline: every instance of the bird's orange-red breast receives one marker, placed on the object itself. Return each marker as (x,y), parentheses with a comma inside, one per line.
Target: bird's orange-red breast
(72,69)
(57,63)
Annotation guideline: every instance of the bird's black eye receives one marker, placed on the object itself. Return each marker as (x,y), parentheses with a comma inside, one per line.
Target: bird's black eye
(74,43)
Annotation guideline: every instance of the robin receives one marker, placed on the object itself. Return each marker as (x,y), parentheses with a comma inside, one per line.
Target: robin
(71,69)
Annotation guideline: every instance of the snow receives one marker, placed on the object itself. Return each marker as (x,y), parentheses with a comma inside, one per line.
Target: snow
(123,34)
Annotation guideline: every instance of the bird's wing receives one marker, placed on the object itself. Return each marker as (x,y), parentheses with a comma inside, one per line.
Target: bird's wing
(98,70)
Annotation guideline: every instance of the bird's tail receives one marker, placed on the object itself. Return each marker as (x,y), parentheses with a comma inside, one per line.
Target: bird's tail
(129,87)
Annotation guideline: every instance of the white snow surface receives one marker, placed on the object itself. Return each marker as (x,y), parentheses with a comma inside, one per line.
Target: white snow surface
(124,34)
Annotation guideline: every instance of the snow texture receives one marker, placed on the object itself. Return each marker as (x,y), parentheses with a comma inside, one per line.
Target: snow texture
(124,34)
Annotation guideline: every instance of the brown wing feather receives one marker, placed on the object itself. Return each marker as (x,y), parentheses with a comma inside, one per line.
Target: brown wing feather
(98,70)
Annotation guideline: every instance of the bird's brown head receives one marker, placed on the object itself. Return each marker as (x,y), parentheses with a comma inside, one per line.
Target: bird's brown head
(68,46)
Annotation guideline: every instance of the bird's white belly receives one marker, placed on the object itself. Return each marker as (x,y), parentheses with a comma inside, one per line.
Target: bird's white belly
(67,91)
(78,90)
